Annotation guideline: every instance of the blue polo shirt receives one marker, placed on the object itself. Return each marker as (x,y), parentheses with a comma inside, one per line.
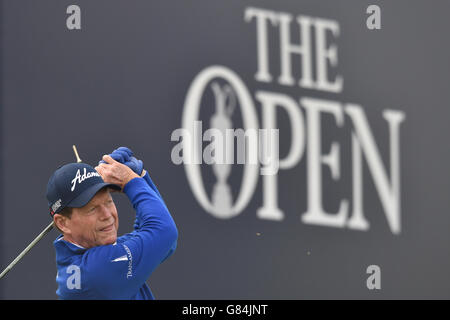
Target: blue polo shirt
(120,270)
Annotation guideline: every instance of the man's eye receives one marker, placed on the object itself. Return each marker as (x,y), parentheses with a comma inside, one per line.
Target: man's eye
(92,209)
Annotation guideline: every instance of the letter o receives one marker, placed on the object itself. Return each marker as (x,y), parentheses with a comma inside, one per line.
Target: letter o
(191,112)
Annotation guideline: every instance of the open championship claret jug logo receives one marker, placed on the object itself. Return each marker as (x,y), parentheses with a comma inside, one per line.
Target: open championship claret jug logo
(258,145)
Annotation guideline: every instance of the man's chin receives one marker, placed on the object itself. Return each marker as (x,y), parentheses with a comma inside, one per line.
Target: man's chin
(109,240)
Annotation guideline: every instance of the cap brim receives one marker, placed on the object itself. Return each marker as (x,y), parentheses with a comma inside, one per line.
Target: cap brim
(89,193)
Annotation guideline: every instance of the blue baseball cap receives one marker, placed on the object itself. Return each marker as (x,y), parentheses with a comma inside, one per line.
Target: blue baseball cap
(74,185)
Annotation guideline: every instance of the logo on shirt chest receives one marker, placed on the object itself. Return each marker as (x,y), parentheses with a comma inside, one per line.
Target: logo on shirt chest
(126,257)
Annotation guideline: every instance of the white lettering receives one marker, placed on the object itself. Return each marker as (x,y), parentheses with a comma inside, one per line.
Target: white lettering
(325,55)
(374,20)
(315,159)
(303,49)
(388,191)
(269,102)
(80,178)
(74,20)
(262,16)
(374,281)
(73,281)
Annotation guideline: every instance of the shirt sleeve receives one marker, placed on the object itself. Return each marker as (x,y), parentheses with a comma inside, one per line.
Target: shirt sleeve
(150,183)
(119,270)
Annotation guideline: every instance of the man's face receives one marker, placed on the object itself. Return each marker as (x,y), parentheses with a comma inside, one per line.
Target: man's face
(95,224)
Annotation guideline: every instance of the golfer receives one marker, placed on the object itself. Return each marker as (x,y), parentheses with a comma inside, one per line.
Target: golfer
(92,262)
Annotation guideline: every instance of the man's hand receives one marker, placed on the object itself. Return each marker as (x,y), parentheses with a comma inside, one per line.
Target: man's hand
(115,172)
(125,155)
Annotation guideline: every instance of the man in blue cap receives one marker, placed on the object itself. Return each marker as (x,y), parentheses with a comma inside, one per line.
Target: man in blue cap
(92,262)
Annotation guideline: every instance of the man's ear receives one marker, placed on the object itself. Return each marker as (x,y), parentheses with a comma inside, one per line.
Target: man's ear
(61,223)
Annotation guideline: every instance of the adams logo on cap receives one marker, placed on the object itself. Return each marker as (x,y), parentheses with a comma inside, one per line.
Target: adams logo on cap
(80,178)
(73,185)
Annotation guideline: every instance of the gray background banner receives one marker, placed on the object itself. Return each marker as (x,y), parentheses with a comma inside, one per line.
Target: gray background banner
(122,80)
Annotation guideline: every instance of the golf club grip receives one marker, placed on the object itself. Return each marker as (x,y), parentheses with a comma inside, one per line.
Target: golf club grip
(28,248)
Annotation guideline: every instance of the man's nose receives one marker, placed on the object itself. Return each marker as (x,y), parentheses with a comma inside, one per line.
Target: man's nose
(105,213)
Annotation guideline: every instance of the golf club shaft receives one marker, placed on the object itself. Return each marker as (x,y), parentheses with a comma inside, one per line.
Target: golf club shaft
(28,248)
(39,237)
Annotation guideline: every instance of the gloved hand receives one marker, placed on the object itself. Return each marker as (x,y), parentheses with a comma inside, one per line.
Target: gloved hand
(125,156)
